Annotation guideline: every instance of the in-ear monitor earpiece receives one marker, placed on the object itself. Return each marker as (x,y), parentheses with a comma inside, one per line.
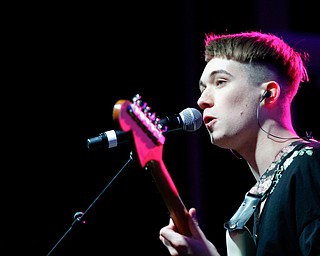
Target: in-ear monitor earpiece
(266,94)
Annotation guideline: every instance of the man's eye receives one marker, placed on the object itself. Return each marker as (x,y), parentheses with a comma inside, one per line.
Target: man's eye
(220,82)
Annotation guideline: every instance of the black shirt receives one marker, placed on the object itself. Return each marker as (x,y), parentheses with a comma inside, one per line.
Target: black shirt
(289,223)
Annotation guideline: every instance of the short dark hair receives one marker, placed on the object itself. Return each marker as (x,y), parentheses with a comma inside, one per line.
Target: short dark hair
(260,48)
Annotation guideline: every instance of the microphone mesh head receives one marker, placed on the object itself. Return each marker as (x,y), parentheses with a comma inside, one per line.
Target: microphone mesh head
(192,119)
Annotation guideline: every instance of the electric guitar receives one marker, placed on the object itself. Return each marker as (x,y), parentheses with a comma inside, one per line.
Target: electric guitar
(147,132)
(240,243)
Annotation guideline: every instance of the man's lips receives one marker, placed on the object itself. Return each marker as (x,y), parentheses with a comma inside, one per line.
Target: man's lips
(209,121)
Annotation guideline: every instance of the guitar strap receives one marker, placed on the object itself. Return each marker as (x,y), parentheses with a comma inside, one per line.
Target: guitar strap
(261,190)
(244,212)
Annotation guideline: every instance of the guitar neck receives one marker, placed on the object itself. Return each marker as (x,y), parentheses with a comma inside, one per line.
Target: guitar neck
(170,195)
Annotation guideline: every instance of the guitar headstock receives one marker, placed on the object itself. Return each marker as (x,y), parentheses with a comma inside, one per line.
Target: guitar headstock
(135,116)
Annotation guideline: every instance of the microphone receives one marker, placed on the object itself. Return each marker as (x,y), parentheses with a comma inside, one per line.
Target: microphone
(189,119)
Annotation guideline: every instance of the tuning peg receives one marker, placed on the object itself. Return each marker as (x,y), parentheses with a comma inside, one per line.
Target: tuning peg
(136,98)
(163,128)
(146,109)
(160,127)
(152,116)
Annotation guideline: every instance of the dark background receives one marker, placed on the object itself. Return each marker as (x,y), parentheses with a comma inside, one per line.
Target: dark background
(68,64)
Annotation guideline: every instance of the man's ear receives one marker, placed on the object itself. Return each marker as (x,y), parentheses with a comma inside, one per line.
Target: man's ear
(271,92)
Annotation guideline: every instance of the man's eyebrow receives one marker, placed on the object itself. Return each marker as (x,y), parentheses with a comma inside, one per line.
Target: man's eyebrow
(215,72)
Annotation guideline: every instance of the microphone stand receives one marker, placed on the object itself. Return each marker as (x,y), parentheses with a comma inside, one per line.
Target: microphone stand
(78,216)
